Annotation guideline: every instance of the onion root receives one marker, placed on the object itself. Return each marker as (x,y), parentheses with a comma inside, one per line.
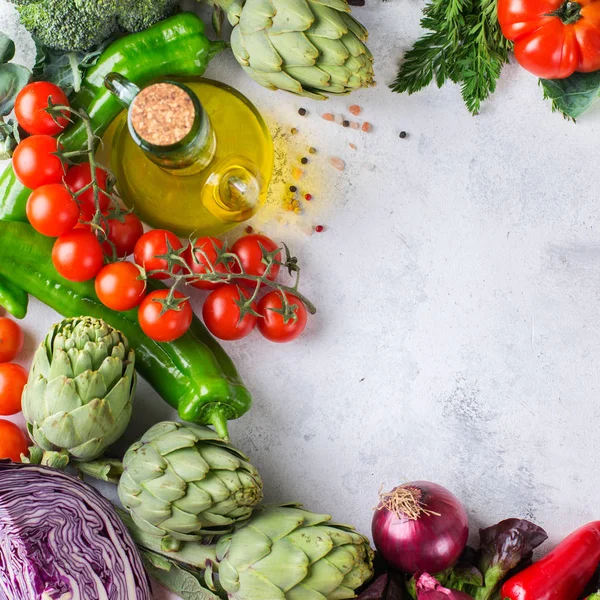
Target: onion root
(405,501)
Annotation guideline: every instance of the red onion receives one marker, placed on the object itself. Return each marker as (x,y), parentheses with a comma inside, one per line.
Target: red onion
(429,588)
(420,527)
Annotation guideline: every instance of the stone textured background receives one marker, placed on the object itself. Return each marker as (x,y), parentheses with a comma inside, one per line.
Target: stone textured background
(457,281)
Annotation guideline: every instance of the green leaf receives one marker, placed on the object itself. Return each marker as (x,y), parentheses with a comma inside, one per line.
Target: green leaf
(574,95)
(13,78)
(7,48)
(180,581)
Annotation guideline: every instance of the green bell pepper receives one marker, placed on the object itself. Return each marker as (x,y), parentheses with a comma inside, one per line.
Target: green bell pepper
(176,46)
(193,374)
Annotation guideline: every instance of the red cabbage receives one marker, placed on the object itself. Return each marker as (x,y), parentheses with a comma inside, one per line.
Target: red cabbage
(61,540)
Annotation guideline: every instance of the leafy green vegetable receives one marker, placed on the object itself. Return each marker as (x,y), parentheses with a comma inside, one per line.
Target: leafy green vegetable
(9,137)
(65,69)
(13,78)
(574,95)
(464,45)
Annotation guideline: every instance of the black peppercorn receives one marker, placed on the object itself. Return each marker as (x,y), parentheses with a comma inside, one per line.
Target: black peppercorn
(403,134)
(304,160)
(301,111)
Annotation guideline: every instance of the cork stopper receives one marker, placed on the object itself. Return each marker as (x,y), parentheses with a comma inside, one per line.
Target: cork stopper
(162,114)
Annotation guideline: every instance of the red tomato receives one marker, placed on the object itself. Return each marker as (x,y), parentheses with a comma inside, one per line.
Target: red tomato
(118,286)
(152,244)
(12,381)
(553,38)
(124,235)
(206,256)
(272,324)
(11,339)
(34,162)
(31,104)
(77,177)
(77,255)
(169,326)
(222,315)
(13,442)
(250,252)
(51,210)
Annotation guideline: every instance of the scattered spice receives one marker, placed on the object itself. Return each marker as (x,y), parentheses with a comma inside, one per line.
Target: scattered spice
(354,125)
(319,228)
(346,123)
(293,131)
(304,160)
(297,173)
(337,163)
(308,197)
(355,109)
(366,126)
(301,111)
(339,119)
(312,150)
(292,205)
(353,146)
(293,189)
(249,229)
(162,114)
(403,134)
(327,116)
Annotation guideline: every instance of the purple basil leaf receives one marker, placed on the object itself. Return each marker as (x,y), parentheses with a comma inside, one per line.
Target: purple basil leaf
(377,589)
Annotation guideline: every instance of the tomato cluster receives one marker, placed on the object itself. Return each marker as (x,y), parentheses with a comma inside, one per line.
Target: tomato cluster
(13,378)
(93,237)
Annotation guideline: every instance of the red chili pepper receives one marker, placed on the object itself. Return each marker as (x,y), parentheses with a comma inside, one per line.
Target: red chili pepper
(562,574)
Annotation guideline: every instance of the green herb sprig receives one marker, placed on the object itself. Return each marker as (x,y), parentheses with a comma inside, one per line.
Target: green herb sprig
(464,44)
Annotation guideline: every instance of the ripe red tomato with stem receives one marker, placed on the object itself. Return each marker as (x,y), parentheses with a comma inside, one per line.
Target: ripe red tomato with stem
(124,235)
(35,163)
(13,378)
(222,313)
(249,250)
(80,176)
(273,325)
(203,258)
(13,441)
(168,326)
(77,255)
(153,244)
(11,339)
(553,38)
(31,104)
(118,286)
(51,210)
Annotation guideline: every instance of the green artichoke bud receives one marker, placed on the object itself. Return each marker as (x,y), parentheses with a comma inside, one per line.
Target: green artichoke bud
(287,553)
(80,391)
(312,48)
(182,481)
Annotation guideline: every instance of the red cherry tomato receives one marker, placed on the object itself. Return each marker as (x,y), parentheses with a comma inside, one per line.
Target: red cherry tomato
(152,244)
(51,210)
(118,286)
(77,177)
(250,252)
(11,339)
(31,104)
(34,162)
(124,235)
(272,324)
(168,326)
(222,315)
(77,255)
(13,442)
(205,256)
(12,381)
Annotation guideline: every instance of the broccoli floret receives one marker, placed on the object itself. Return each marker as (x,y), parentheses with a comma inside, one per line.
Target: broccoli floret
(59,24)
(137,15)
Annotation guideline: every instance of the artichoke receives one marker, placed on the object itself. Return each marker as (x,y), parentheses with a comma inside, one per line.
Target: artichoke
(312,48)
(287,553)
(79,394)
(182,481)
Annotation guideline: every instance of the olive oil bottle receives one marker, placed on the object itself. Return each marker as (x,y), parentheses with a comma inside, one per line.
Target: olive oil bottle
(193,156)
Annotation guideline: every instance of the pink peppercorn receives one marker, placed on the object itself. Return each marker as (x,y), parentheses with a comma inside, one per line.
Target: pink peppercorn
(319,228)
(249,229)
(308,197)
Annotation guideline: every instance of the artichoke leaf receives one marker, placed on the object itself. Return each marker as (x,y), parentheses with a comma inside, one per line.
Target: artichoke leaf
(90,385)
(256,16)
(332,52)
(311,77)
(60,396)
(338,5)
(262,56)
(150,467)
(338,78)
(328,23)
(239,50)
(295,49)
(168,487)
(359,30)
(60,365)
(111,369)
(291,16)
(357,49)
(89,448)
(182,522)
(220,458)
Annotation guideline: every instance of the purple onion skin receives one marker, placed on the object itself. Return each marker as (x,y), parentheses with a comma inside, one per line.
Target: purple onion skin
(430,544)
(430,589)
